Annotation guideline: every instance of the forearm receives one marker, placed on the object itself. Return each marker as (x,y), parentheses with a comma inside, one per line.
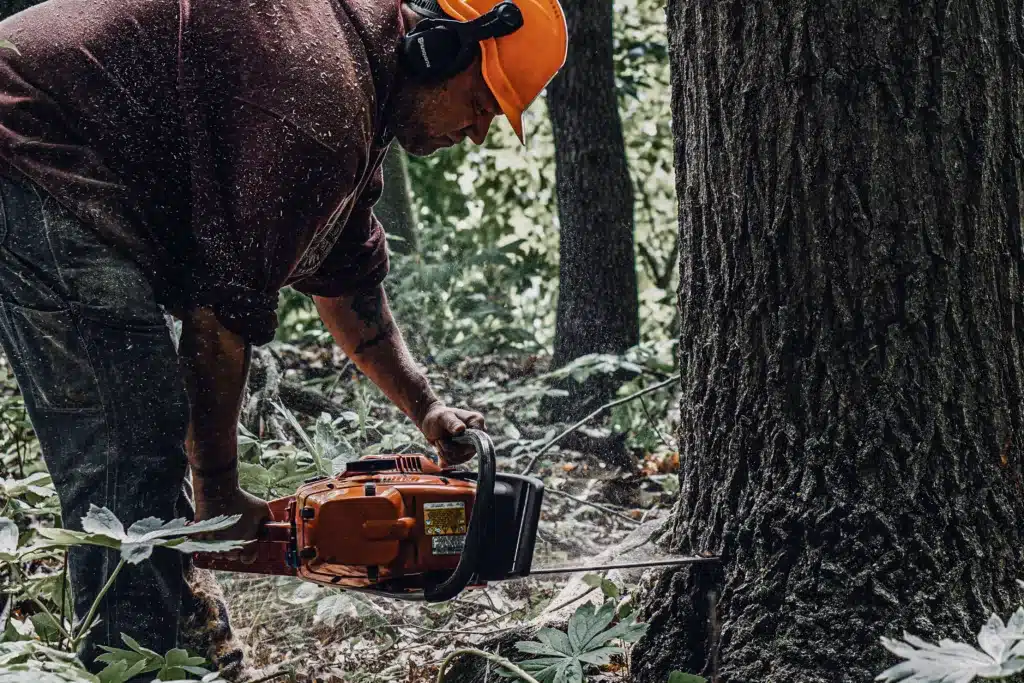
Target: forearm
(215,364)
(363,327)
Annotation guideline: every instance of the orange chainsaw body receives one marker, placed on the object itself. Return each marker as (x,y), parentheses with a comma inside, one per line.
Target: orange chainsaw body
(391,523)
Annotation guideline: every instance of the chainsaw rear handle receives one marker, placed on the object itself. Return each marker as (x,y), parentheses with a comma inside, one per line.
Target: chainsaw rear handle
(483,505)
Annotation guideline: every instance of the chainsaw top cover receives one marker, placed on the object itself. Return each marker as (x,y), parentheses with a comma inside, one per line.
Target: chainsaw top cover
(399,525)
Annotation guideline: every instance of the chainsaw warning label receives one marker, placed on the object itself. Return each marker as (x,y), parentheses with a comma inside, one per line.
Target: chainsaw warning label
(448,545)
(444,519)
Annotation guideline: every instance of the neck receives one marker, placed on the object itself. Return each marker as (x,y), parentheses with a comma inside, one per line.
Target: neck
(410,17)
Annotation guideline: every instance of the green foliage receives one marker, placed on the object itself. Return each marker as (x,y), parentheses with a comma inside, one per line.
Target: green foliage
(607,586)
(1001,655)
(27,646)
(565,656)
(19,449)
(101,527)
(29,661)
(122,665)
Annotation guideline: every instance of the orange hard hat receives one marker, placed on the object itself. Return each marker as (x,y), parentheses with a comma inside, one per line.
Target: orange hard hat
(518,66)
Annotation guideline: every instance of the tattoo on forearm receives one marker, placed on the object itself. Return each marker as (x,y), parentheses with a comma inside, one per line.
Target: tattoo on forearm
(369,308)
(382,335)
(368,305)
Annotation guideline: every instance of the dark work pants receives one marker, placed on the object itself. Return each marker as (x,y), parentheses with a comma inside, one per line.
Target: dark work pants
(96,362)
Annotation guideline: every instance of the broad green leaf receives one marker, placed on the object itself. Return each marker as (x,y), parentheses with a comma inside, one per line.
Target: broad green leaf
(150,528)
(136,545)
(113,655)
(33,675)
(187,546)
(532,647)
(254,478)
(134,553)
(609,589)
(556,640)
(38,484)
(586,623)
(121,671)
(46,627)
(196,670)
(629,631)
(67,537)
(181,658)
(680,677)
(114,672)
(544,669)
(288,474)
(572,672)
(100,520)
(599,656)
(134,645)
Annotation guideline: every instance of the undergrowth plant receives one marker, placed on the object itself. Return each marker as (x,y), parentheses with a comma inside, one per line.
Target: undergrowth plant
(589,641)
(39,636)
(1001,655)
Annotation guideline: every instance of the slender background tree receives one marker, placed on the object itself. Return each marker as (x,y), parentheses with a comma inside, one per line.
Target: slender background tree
(849,182)
(597,289)
(394,209)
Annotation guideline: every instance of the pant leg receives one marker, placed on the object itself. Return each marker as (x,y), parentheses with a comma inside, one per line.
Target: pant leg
(94,359)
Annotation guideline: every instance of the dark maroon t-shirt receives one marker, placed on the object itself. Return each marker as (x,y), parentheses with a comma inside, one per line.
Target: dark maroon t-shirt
(230,147)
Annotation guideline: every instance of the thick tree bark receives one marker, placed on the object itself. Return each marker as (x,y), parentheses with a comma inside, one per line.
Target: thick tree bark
(597,291)
(849,177)
(394,209)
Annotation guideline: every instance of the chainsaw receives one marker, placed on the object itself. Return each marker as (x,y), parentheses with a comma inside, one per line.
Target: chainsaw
(402,526)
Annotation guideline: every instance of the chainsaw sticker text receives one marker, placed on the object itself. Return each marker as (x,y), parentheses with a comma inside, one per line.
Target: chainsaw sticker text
(448,545)
(444,519)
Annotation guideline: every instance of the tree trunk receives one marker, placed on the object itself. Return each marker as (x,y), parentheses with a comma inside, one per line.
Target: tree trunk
(11,7)
(597,289)
(394,209)
(849,178)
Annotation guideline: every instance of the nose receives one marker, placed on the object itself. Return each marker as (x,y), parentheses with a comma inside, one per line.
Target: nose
(478,131)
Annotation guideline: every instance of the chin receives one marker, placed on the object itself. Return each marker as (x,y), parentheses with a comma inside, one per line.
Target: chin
(423,147)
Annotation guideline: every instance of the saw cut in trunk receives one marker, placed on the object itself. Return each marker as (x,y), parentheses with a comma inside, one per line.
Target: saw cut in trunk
(849,182)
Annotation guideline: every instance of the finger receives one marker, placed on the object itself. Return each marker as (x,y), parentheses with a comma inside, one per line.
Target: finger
(452,424)
(476,421)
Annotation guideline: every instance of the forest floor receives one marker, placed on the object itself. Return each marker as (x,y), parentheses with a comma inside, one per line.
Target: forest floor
(330,636)
(592,512)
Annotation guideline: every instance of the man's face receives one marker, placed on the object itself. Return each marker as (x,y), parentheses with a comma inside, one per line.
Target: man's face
(426,118)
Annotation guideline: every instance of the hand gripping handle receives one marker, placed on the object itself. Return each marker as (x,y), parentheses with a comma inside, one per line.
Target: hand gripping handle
(482,507)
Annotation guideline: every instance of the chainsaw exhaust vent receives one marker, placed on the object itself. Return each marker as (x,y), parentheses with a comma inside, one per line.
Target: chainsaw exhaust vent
(409,463)
(404,464)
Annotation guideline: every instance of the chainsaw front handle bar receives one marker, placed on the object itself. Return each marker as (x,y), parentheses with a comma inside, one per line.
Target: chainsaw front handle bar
(482,510)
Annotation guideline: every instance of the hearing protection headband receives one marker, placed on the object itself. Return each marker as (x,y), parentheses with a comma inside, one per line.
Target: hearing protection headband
(438,48)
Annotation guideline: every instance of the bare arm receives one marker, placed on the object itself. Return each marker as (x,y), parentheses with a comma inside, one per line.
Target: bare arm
(215,363)
(363,327)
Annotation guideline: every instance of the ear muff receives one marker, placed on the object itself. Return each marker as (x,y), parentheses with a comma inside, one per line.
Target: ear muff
(438,48)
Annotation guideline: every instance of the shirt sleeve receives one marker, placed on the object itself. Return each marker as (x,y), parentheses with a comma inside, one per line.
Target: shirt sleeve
(359,259)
